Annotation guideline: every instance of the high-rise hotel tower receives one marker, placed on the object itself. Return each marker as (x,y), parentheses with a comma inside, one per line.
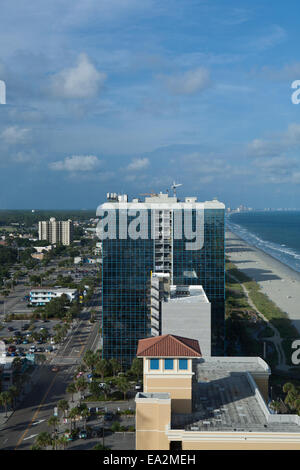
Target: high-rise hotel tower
(56,231)
(184,240)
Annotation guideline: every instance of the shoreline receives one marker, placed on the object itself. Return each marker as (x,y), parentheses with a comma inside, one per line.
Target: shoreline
(278,281)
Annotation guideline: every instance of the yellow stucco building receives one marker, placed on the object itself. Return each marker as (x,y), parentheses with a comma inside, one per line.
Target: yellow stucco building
(218,403)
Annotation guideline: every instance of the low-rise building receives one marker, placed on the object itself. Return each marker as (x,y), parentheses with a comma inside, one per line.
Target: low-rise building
(214,403)
(44,295)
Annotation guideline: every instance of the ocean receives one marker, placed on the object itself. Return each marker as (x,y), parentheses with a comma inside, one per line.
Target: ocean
(274,232)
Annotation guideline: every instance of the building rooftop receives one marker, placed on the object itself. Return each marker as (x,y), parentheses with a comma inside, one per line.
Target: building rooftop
(168,346)
(160,396)
(53,289)
(162,199)
(187,294)
(227,400)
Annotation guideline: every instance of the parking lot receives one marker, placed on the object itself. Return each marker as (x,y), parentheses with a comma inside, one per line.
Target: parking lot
(17,333)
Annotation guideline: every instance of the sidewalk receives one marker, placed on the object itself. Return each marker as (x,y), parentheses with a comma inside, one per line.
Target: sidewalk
(27,389)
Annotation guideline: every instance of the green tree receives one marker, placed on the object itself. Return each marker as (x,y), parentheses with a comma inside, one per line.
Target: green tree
(71,388)
(5,399)
(123,385)
(137,367)
(90,359)
(63,442)
(54,422)
(43,440)
(115,365)
(63,406)
(81,385)
(102,367)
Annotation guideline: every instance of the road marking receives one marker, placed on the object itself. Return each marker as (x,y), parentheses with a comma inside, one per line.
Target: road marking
(30,437)
(38,422)
(36,413)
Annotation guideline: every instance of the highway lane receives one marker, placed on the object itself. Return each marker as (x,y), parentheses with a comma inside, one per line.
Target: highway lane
(33,413)
(31,416)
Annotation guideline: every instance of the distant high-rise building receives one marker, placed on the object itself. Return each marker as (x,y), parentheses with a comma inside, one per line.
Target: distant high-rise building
(129,261)
(56,231)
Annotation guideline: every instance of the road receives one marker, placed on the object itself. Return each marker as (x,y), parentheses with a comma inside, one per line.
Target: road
(31,416)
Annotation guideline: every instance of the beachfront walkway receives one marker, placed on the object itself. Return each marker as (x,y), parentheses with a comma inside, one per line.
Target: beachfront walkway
(276,339)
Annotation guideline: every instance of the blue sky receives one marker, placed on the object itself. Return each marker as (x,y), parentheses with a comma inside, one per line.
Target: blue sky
(128,95)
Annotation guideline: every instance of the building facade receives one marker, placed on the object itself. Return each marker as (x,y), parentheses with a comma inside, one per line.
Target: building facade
(193,403)
(56,231)
(44,295)
(162,248)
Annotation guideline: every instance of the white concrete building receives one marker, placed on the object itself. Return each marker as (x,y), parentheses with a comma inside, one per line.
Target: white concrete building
(56,231)
(44,295)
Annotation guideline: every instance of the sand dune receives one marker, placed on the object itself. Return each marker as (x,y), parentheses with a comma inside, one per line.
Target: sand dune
(279,282)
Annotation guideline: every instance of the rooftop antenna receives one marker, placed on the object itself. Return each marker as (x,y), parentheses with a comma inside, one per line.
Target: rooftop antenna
(174,186)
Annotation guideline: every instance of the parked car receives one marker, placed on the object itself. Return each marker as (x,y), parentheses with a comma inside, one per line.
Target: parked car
(108,416)
(25,341)
(82,434)
(11,349)
(10,328)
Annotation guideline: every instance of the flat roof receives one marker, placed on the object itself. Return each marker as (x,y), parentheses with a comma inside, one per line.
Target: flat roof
(51,289)
(233,364)
(187,294)
(224,400)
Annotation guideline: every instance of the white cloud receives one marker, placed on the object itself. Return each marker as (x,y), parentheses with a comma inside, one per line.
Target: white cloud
(14,135)
(81,81)
(287,72)
(138,164)
(279,144)
(189,83)
(274,36)
(263,148)
(76,163)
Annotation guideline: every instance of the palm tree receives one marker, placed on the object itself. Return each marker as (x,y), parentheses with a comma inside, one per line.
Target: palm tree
(288,387)
(123,385)
(90,359)
(63,442)
(71,388)
(115,365)
(73,413)
(81,385)
(63,405)
(5,399)
(85,413)
(53,421)
(13,390)
(102,367)
(137,367)
(43,440)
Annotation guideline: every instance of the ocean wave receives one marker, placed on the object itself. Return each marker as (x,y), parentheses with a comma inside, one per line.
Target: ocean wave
(287,255)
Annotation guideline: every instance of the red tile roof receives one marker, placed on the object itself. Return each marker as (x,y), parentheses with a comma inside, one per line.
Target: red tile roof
(168,346)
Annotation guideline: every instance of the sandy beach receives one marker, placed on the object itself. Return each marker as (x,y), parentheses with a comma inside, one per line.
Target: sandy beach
(279,282)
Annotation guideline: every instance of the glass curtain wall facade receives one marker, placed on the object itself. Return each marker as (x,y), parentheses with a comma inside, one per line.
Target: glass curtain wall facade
(126,273)
(126,279)
(206,267)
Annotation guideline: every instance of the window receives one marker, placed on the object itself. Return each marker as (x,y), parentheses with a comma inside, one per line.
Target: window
(183,364)
(169,364)
(154,364)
